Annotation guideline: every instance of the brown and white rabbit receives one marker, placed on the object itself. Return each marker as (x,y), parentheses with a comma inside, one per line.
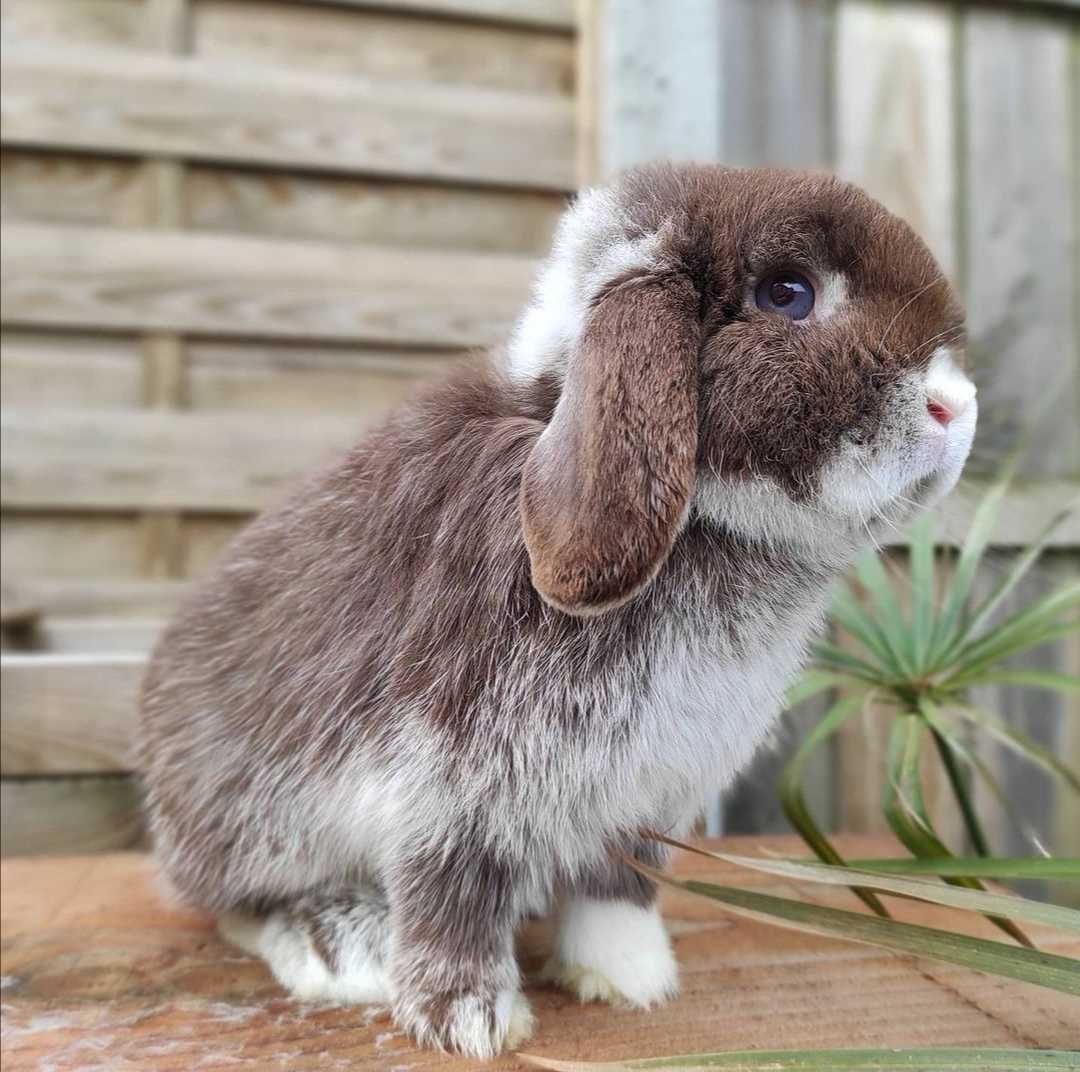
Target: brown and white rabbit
(553,601)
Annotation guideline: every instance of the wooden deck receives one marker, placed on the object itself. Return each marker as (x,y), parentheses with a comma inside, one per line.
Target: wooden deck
(99,973)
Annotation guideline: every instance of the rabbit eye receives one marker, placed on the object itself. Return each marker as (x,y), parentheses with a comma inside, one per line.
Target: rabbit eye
(788,293)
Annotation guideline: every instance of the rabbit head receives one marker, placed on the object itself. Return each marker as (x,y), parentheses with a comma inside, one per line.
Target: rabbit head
(770,349)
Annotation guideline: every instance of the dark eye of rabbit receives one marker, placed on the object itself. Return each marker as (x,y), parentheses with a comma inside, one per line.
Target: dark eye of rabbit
(788,293)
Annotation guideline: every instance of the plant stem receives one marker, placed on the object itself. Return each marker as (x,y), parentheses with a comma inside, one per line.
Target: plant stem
(960,791)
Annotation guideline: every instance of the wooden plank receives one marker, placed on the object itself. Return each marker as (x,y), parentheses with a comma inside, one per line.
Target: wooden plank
(550,14)
(87,597)
(74,928)
(95,635)
(87,22)
(661,82)
(43,370)
(772,54)
(48,816)
(76,459)
(382,212)
(229,285)
(69,546)
(294,379)
(109,101)
(67,714)
(895,120)
(1022,202)
(383,44)
(70,189)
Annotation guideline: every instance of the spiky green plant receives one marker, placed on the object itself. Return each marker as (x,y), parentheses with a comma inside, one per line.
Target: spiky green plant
(918,667)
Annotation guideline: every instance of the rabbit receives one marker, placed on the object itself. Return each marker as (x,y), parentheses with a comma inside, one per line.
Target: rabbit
(552,602)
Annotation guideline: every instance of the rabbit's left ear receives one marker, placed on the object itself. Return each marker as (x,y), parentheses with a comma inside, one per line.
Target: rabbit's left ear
(608,483)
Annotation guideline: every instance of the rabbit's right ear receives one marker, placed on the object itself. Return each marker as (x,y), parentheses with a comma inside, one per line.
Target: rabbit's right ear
(608,483)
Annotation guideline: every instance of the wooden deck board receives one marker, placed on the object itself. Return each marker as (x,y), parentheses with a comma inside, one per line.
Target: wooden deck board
(98,972)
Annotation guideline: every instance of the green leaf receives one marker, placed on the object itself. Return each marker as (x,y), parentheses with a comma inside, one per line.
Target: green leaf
(1016,573)
(922,592)
(888,623)
(812,683)
(950,622)
(980,954)
(905,811)
(1042,679)
(990,904)
(971,668)
(1020,744)
(793,801)
(892,1060)
(847,613)
(840,661)
(995,867)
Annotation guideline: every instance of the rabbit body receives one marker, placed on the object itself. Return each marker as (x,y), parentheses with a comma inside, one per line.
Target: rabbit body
(453,677)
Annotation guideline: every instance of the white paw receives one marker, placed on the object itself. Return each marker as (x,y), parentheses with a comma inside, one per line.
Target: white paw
(289,952)
(613,951)
(472,1025)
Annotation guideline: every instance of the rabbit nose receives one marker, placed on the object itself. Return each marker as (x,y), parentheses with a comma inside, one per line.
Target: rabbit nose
(939,411)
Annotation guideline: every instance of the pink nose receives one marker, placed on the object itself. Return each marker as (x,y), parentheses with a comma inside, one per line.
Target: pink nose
(940,412)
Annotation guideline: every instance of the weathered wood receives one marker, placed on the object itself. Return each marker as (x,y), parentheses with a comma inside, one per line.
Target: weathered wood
(124,102)
(553,14)
(95,635)
(98,962)
(661,88)
(895,120)
(776,69)
(160,460)
(43,370)
(1022,201)
(383,212)
(70,189)
(101,595)
(150,281)
(49,816)
(88,22)
(67,714)
(383,44)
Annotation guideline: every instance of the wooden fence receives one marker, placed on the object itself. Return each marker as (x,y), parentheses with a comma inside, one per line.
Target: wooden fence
(235,231)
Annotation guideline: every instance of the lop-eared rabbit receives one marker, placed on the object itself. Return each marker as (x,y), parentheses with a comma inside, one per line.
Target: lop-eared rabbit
(552,602)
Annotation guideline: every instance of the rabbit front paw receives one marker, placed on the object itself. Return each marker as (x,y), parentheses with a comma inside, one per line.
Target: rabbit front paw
(468,1023)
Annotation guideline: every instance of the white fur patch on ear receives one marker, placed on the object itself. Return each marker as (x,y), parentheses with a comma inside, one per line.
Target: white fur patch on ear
(613,951)
(589,250)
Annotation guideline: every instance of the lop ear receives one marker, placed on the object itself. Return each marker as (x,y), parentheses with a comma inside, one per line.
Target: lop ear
(607,484)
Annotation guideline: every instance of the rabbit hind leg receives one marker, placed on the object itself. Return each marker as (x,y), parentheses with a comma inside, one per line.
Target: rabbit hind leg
(321,948)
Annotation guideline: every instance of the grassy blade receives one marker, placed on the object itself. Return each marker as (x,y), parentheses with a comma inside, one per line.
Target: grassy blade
(996,958)
(1016,573)
(893,1060)
(1021,744)
(996,867)
(793,801)
(888,619)
(922,591)
(840,661)
(950,622)
(905,811)
(971,669)
(1005,905)
(812,683)
(846,612)
(1042,679)
(957,782)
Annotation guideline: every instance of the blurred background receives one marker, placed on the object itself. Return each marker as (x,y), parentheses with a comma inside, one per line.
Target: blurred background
(236,231)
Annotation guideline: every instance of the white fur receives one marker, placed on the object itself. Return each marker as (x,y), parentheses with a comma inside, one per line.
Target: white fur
(288,951)
(613,951)
(587,252)
(469,1029)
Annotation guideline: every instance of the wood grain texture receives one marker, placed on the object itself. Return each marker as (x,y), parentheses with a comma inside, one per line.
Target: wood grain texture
(661,82)
(1021,227)
(895,114)
(95,596)
(98,963)
(47,816)
(86,22)
(173,281)
(126,102)
(67,714)
(550,14)
(383,44)
(160,460)
(776,83)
